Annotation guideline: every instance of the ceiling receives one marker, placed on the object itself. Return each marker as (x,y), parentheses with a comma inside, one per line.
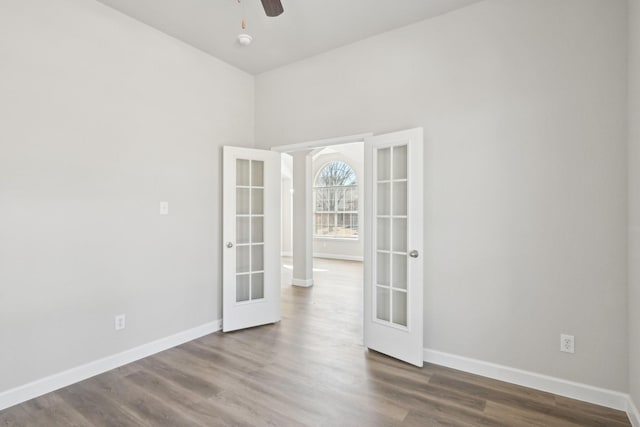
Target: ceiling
(306,28)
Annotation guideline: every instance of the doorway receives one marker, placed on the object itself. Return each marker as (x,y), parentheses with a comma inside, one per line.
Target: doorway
(337,196)
(327,205)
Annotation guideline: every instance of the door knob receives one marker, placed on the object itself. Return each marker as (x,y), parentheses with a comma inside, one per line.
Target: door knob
(413,254)
(229,245)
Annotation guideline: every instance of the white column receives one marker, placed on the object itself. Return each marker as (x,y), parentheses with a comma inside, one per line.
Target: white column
(302,219)
(287,220)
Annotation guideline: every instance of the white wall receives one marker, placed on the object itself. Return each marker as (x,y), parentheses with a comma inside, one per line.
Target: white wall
(523,105)
(101,118)
(353,155)
(634,200)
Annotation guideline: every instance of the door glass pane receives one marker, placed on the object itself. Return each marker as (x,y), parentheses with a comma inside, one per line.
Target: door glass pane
(242,229)
(400,162)
(257,257)
(242,259)
(384,199)
(383,234)
(382,303)
(399,235)
(257,285)
(242,287)
(399,268)
(384,164)
(382,269)
(257,207)
(242,201)
(399,308)
(242,172)
(257,173)
(257,229)
(400,198)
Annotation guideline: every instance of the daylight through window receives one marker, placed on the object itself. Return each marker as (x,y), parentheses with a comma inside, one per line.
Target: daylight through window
(335,198)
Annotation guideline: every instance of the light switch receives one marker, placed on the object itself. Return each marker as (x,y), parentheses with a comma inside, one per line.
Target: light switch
(164,208)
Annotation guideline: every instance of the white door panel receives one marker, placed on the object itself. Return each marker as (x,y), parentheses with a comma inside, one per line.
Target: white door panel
(393,285)
(251,238)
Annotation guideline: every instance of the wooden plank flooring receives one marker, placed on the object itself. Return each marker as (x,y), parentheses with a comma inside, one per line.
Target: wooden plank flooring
(308,370)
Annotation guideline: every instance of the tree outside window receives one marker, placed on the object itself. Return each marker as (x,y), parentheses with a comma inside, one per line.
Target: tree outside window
(336,202)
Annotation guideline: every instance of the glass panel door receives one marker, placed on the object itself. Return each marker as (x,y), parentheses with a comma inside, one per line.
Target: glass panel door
(249,215)
(390,272)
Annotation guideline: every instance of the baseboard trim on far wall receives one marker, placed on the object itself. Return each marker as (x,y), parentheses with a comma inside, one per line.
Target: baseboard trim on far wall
(338,256)
(632,411)
(63,379)
(599,396)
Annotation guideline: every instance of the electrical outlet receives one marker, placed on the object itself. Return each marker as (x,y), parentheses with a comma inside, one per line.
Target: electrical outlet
(120,322)
(567,343)
(164,208)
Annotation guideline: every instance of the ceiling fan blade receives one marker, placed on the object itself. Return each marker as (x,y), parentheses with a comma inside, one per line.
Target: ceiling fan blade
(272,7)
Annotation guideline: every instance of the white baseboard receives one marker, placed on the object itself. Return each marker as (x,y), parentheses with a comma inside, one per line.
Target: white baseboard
(632,412)
(57,381)
(599,396)
(305,283)
(338,256)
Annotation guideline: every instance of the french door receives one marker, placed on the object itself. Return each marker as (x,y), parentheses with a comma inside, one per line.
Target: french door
(393,281)
(251,238)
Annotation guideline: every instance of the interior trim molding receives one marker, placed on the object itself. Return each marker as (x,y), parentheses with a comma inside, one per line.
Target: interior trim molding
(599,396)
(57,381)
(289,148)
(286,253)
(633,413)
(338,256)
(305,283)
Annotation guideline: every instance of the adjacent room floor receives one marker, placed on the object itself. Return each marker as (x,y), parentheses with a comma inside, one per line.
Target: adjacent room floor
(309,369)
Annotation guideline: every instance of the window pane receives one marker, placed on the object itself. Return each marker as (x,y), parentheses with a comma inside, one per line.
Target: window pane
(332,196)
(257,173)
(399,308)
(318,200)
(242,288)
(399,198)
(384,164)
(257,229)
(384,199)
(257,207)
(335,174)
(382,269)
(242,201)
(399,235)
(382,303)
(399,268)
(383,235)
(400,162)
(257,285)
(335,201)
(242,259)
(242,172)
(242,229)
(257,258)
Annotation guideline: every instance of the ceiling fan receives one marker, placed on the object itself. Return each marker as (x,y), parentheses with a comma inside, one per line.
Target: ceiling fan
(272,7)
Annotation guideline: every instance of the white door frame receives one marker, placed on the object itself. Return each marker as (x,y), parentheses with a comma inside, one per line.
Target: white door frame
(368,210)
(321,143)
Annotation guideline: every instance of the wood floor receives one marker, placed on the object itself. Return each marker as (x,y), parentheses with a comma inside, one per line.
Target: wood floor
(309,369)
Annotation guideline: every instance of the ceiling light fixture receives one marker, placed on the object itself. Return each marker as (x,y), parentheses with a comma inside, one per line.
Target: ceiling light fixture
(243,38)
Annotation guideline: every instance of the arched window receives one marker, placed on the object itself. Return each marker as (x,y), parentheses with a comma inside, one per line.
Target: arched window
(335,200)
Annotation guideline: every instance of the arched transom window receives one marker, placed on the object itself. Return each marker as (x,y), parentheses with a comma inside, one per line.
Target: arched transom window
(336,201)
